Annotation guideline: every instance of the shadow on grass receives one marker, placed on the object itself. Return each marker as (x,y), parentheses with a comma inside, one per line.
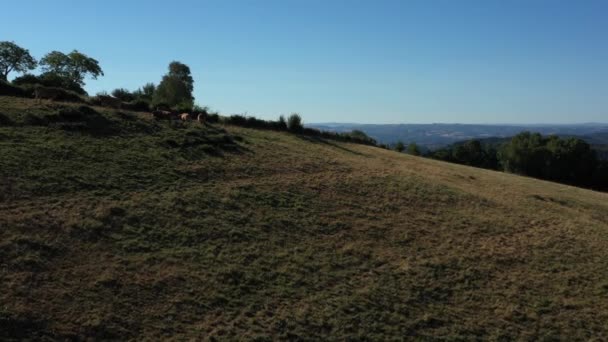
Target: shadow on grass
(5,120)
(319,140)
(82,119)
(19,328)
(191,140)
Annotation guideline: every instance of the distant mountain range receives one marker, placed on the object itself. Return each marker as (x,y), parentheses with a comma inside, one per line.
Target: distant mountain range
(433,136)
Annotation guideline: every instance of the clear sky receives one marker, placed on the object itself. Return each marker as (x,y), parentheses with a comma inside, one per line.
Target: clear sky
(515,61)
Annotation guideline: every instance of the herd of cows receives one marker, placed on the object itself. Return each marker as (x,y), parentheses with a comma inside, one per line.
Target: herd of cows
(41,93)
(167,115)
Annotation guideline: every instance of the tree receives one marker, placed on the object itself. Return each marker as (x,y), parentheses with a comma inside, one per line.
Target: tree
(123,94)
(175,89)
(182,72)
(294,123)
(413,149)
(568,160)
(399,146)
(282,123)
(468,153)
(148,90)
(14,58)
(525,154)
(74,66)
(145,93)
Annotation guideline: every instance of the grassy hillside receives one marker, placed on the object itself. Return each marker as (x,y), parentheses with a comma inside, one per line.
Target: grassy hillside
(116,226)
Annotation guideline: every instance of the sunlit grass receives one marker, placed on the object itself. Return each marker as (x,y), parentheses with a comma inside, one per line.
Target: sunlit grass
(149,231)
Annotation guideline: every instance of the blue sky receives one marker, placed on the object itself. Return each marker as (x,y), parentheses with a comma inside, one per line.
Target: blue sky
(518,61)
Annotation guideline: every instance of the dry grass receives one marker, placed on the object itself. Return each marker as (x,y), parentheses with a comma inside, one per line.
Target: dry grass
(284,237)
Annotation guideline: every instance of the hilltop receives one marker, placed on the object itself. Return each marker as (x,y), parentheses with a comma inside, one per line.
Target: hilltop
(116,226)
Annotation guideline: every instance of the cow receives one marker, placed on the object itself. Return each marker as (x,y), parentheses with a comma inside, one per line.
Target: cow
(109,101)
(184,117)
(200,118)
(47,93)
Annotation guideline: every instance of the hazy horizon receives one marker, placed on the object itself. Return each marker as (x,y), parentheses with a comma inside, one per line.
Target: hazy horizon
(375,62)
(461,123)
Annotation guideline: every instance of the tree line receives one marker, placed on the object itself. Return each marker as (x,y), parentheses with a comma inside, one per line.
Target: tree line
(66,72)
(565,160)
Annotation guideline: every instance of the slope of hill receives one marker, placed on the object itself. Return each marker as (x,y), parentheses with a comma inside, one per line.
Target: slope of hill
(115,226)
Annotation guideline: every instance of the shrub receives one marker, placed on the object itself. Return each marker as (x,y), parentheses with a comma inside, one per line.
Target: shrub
(27,79)
(7,89)
(59,94)
(49,80)
(200,109)
(183,107)
(294,123)
(213,117)
(137,106)
(123,94)
(282,123)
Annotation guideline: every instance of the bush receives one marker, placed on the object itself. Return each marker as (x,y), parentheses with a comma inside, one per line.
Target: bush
(294,123)
(282,123)
(51,80)
(213,118)
(58,94)
(69,96)
(413,149)
(123,94)
(136,106)
(28,79)
(7,89)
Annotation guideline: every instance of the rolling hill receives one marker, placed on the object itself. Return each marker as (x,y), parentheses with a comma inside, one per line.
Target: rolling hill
(116,226)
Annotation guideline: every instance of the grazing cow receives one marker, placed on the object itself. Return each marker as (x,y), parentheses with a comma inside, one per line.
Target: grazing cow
(109,101)
(184,117)
(47,93)
(200,118)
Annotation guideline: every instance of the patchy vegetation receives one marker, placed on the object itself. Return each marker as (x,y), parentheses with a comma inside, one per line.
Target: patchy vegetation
(117,226)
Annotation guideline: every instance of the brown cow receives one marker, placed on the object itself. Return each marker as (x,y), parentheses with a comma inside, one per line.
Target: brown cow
(200,118)
(184,117)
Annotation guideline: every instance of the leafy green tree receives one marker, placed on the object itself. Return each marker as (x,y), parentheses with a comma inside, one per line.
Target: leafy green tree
(123,95)
(74,66)
(294,123)
(570,160)
(175,89)
(282,123)
(525,154)
(14,58)
(469,153)
(147,91)
(413,149)
(399,146)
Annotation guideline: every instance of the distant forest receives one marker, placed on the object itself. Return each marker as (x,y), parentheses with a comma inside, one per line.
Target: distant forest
(567,160)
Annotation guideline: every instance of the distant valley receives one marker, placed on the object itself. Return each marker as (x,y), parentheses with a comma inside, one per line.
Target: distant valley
(434,136)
